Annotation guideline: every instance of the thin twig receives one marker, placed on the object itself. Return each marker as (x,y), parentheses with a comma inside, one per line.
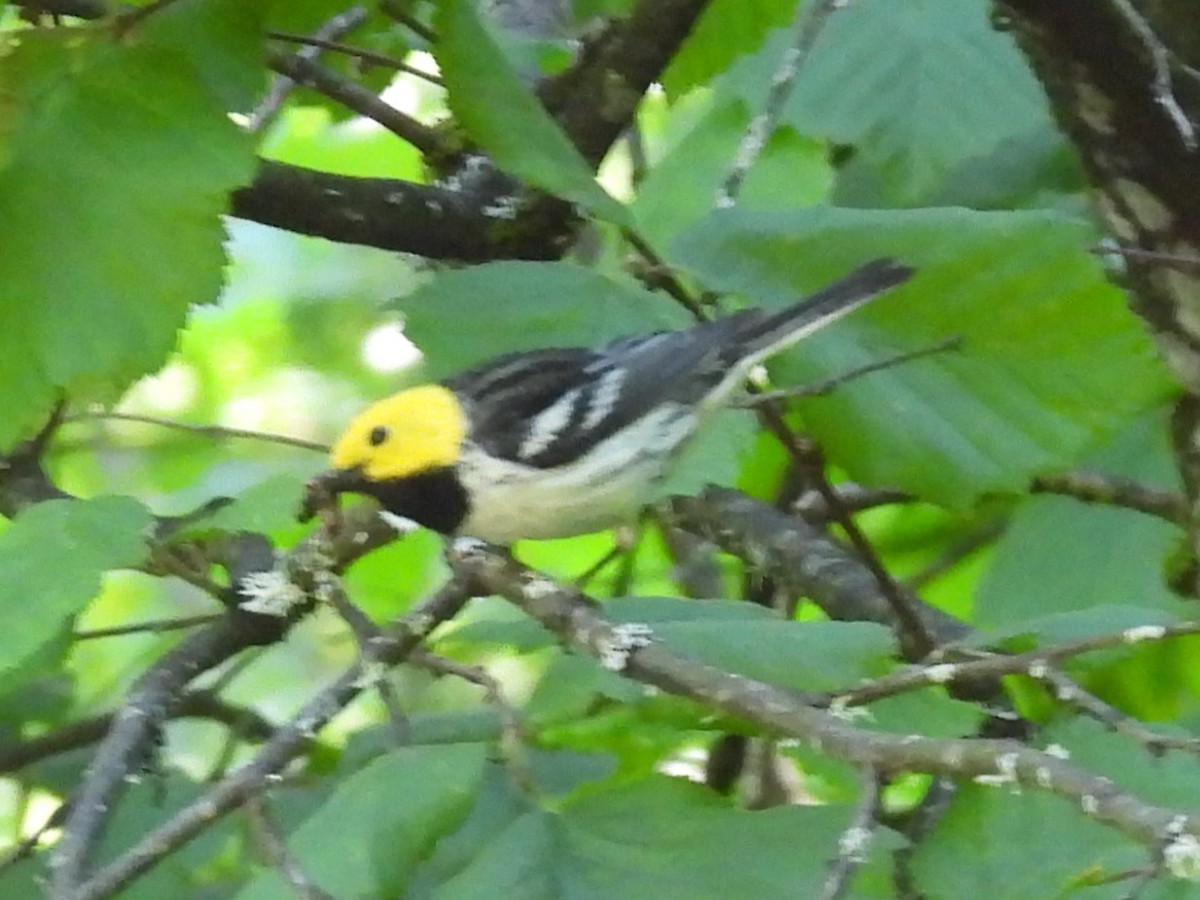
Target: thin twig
(212,431)
(271,842)
(915,639)
(1113,490)
(833,382)
(639,165)
(852,497)
(512,729)
(366,56)
(132,733)
(658,274)
(1071,692)
(401,15)
(199,704)
(25,848)
(984,665)
(365,634)
(1185,263)
(1141,879)
(234,670)
(632,539)
(1164,90)
(955,552)
(151,626)
(586,576)
(150,700)
(807,26)
(855,841)
(356,98)
(282,86)
(175,560)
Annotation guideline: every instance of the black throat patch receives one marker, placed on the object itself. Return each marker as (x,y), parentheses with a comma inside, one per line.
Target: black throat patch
(436,499)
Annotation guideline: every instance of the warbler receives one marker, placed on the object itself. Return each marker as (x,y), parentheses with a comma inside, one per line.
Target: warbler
(563,441)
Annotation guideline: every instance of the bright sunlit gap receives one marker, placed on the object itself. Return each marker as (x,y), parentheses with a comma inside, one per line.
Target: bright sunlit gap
(171,390)
(387,349)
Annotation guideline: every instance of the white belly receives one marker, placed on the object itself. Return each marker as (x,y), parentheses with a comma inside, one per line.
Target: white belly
(512,501)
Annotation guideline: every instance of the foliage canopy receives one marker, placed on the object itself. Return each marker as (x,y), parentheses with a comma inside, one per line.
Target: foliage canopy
(508,758)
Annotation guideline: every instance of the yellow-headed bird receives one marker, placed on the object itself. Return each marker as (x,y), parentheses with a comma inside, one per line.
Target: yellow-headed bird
(558,442)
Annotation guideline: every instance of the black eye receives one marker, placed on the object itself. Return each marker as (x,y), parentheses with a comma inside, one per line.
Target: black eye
(378,435)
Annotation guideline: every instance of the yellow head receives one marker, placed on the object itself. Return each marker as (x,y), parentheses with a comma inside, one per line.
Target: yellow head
(414,431)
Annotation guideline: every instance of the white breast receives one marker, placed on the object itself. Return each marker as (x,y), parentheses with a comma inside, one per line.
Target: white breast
(511,501)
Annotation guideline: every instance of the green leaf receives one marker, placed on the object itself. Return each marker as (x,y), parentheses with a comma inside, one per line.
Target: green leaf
(1050,360)
(661,837)
(528,305)
(741,637)
(221,42)
(264,507)
(1074,625)
(489,101)
(791,171)
(725,30)
(930,711)
(190,871)
(814,655)
(1066,569)
(994,843)
(713,456)
(659,610)
(1169,778)
(52,557)
(888,78)
(365,840)
(498,803)
(136,134)
(492,623)
(387,581)
(570,686)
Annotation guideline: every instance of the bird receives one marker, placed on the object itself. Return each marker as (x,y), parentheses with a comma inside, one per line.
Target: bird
(562,441)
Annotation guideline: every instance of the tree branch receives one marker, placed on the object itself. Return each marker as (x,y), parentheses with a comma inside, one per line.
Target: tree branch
(387,213)
(1112,490)
(356,98)
(193,704)
(369,57)
(290,739)
(135,725)
(1118,77)
(985,666)
(809,22)
(594,101)
(274,848)
(633,651)
(134,729)
(281,86)
(856,839)
(802,557)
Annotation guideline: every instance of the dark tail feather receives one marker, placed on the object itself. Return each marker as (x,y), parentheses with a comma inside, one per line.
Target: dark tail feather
(774,332)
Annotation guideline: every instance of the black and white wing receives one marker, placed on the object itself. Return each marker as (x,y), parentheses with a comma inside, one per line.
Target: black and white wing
(547,408)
